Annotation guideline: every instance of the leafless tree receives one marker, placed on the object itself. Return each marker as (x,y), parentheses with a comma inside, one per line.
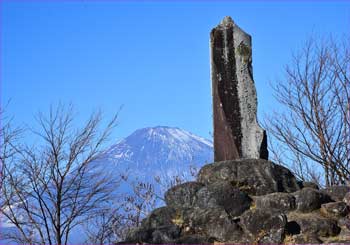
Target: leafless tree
(113,223)
(106,227)
(55,185)
(311,132)
(143,197)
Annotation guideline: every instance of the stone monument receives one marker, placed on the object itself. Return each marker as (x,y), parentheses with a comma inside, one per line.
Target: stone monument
(237,134)
(245,199)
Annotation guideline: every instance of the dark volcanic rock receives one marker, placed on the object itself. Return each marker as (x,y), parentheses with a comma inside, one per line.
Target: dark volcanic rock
(335,209)
(223,194)
(253,176)
(337,193)
(183,195)
(266,226)
(138,235)
(163,216)
(306,239)
(345,222)
(166,234)
(309,199)
(279,200)
(213,222)
(319,226)
(192,239)
(347,199)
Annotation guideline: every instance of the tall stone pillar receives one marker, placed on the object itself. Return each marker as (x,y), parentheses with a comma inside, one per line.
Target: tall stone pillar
(237,134)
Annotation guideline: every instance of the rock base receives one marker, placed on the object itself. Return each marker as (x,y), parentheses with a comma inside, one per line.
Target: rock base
(248,201)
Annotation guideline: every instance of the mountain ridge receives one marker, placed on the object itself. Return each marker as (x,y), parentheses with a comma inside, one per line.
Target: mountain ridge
(160,150)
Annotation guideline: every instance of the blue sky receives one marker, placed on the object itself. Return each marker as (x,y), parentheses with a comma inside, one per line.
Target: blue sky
(151,57)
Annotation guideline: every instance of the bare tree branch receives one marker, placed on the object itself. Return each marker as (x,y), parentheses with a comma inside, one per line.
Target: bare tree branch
(313,127)
(57,185)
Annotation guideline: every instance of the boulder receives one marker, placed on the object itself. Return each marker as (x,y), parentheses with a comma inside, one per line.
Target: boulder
(345,222)
(306,239)
(315,225)
(183,195)
(335,209)
(309,199)
(344,235)
(138,235)
(163,216)
(165,234)
(265,226)
(223,194)
(253,176)
(213,222)
(192,239)
(279,200)
(337,193)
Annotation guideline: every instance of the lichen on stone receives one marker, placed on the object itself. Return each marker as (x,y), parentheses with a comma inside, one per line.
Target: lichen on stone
(244,51)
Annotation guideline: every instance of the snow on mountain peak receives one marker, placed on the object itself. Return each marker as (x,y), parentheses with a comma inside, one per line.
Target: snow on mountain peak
(159,150)
(170,133)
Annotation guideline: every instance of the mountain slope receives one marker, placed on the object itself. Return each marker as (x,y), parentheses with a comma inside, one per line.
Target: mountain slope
(159,151)
(145,154)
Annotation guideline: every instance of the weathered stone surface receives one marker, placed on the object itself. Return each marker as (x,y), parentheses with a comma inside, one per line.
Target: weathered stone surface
(138,235)
(236,131)
(253,176)
(322,227)
(163,216)
(218,208)
(346,199)
(305,239)
(309,199)
(165,234)
(279,200)
(335,209)
(223,194)
(345,222)
(183,195)
(266,226)
(344,235)
(345,230)
(192,239)
(338,240)
(337,193)
(213,222)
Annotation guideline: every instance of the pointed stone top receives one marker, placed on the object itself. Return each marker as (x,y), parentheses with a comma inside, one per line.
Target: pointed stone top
(227,21)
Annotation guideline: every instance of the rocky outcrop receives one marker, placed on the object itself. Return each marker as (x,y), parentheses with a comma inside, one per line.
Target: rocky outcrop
(337,193)
(264,225)
(237,133)
(276,201)
(309,199)
(335,209)
(253,176)
(246,201)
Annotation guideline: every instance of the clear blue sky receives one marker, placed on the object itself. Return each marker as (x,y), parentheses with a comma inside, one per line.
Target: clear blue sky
(151,57)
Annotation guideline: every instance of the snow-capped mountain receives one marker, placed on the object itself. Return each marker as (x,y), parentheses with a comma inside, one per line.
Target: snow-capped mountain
(159,151)
(145,154)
